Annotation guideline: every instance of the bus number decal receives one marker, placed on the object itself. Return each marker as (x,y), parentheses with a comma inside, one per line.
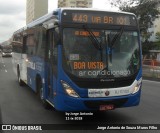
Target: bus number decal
(80,18)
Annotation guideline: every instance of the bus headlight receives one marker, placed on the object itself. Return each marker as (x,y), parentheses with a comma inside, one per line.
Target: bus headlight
(69,89)
(138,86)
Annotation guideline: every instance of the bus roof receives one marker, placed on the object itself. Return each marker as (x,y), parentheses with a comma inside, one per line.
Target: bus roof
(54,15)
(96,9)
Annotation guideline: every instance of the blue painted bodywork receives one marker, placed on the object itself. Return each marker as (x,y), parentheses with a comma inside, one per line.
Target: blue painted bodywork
(61,100)
(38,68)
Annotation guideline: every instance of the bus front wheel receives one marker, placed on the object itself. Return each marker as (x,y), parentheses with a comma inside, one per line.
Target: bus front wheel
(41,95)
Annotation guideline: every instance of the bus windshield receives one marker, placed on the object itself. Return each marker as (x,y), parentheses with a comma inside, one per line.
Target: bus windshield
(119,55)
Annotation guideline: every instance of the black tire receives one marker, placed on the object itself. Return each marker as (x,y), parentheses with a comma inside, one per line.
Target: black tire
(40,90)
(21,83)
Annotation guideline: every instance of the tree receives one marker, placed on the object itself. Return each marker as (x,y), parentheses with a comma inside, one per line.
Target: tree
(158,36)
(145,10)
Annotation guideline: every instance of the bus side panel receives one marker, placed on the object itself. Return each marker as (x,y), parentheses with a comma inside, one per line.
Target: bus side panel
(35,68)
(19,62)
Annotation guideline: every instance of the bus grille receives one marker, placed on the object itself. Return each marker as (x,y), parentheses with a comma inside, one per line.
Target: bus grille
(98,84)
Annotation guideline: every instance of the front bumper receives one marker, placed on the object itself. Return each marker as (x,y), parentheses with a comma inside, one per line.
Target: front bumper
(67,103)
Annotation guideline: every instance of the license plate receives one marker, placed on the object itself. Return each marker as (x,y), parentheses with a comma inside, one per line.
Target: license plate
(106,107)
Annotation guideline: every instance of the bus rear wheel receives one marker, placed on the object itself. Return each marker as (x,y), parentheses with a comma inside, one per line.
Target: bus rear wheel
(21,83)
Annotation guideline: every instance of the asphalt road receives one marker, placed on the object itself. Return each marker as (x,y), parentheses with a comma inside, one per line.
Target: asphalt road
(19,105)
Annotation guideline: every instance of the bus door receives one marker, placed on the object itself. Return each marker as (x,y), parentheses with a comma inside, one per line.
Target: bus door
(51,65)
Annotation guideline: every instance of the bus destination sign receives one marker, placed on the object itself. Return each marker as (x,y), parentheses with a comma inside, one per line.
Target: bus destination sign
(100,18)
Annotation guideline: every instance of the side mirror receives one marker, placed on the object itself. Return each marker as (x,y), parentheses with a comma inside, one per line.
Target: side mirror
(52,23)
(17,42)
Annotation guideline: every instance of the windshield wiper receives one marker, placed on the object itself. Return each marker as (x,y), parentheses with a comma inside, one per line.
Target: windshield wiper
(110,45)
(116,37)
(94,40)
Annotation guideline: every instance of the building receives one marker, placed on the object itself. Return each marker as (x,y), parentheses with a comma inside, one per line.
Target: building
(35,9)
(156,25)
(75,3)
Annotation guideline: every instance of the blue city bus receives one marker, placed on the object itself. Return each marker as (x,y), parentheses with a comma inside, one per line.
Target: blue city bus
(81,59)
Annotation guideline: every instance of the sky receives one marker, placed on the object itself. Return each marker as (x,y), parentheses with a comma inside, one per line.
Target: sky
(13,14)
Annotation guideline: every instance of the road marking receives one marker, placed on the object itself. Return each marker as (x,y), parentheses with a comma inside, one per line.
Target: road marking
(151,81)
(2,60)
